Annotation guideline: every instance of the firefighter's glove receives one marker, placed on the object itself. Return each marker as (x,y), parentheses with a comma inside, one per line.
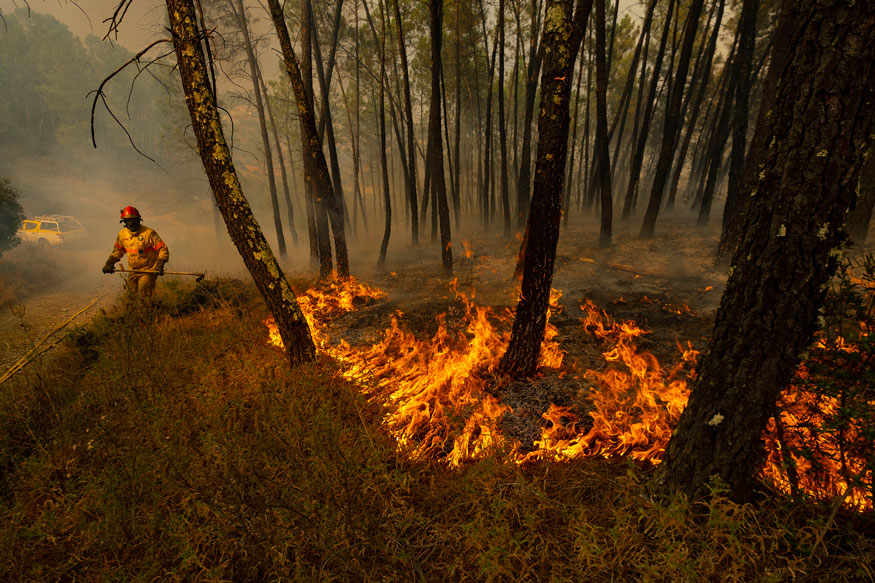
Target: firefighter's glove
(160,268)
(109,266)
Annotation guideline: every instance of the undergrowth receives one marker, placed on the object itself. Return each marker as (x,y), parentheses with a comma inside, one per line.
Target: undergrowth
(173,444)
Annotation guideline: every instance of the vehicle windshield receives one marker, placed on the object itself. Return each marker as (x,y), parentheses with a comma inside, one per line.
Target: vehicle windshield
(70,225)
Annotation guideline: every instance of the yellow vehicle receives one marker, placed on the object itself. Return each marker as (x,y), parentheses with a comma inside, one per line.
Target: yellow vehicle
(51,230)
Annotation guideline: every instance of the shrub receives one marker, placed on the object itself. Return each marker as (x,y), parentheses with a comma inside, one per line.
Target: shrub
(11,215)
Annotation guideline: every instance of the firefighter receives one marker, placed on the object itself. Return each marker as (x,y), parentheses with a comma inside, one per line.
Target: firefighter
(145,250)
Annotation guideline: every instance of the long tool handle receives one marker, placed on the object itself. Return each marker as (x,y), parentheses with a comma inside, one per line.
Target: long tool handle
(123,270)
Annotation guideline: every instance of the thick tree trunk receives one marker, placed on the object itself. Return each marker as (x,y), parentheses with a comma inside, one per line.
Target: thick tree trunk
(563,33)
(672,120)
(783,39)
(820,126)
(235,210)
(861,214)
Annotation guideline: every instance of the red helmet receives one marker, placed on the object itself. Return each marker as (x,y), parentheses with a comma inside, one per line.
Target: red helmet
(130,212)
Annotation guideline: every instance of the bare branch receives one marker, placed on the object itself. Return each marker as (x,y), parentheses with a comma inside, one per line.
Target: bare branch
(117,16)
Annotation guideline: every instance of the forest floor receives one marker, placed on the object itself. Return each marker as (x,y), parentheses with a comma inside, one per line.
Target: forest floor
(174,443)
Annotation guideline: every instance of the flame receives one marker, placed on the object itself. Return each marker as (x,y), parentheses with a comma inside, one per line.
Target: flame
(636,402)
(822,461)
(438,406)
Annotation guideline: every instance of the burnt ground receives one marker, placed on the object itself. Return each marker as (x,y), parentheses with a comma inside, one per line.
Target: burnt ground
(669,286)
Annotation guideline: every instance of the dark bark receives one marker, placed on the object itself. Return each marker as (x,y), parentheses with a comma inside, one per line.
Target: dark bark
(626,97)
(672,120)
(502,123)
(235,210)
(747,26)
(563,32)
(601,126)
(387,230)
(783,39)
(717,147)
(316,168)
(411,141)
(320,212)
(701,78)
(525,166)
(569,175)
(820,126)
(487,148)
(644,129)
(326,124)
(435,149)
(236,7)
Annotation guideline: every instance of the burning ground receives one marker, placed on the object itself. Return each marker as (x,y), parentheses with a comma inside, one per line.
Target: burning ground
(615,371)
(176,444)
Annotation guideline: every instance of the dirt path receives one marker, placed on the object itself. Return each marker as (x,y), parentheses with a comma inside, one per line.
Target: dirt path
(25,322)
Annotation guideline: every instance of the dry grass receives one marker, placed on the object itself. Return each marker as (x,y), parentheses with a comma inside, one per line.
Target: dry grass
(174,445)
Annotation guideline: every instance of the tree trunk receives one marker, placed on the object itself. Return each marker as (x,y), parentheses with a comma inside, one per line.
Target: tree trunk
(411,140)
(435,149)
(235,210)
(525,169)
(702,80)
(747,27)
(563,33)
(314,158)
(820,127)
(783,40)
(287,197)
(601,138)
(626,98)
(502,123)
(387,230)
(239,14)
(644,130)
(672,120)
(325,123)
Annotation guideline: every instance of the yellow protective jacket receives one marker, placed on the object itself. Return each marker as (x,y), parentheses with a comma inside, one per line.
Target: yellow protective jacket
(144,248)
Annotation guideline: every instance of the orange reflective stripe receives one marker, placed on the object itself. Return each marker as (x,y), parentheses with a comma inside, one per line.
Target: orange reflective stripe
(117,246)
(158,245)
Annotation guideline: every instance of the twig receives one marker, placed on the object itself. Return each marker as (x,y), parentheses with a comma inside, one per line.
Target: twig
(98,94)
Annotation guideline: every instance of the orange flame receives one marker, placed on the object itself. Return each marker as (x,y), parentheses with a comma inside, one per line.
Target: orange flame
(830,458)
(439,409)
(635,402)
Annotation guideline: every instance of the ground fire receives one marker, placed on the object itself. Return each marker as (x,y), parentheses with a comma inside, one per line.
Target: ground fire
(442,403)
